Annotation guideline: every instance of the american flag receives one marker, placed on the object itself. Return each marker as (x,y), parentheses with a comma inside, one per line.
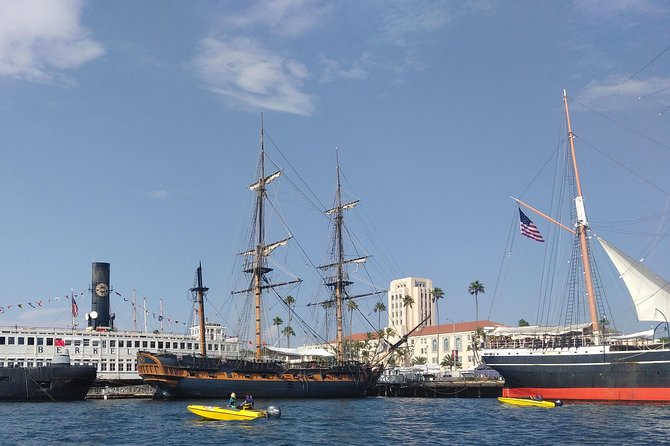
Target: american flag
(75,308)
(528,228)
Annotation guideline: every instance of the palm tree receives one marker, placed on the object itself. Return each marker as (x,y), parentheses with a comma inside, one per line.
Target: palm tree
(288,332)
(437,295)
(407,301)
(352,306)
(449,361)
(379,308)
(474,289)
(277,321)
(419,360)
(289,301)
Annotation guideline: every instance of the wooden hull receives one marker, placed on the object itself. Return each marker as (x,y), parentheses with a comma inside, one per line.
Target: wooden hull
(226,413)
(195,377)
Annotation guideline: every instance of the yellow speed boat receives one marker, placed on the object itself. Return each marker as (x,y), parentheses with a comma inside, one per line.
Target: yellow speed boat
(233,414)
(527,402)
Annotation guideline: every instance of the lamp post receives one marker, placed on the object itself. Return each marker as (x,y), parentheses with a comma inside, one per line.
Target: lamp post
(667,329)
(453,331)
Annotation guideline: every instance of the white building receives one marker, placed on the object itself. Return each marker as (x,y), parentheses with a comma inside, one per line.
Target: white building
(409,302)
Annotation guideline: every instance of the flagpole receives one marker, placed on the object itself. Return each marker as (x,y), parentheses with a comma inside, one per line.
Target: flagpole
(74,321)
(134,312)
(543,215)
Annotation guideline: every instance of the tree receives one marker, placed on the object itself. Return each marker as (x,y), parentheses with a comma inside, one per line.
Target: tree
(407,301)
(288,332)
(475,289)
(351,306)
(523,323)
(289,301)
(449,361)
(437,295)
(277,321)
(419,360)
(379,308)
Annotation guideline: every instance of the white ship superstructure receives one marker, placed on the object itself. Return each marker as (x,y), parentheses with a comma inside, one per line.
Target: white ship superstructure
(114,353)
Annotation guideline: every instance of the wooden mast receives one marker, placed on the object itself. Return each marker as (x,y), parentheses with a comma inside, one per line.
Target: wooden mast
(582,225)
(258,268)
(339,283)
(200,296)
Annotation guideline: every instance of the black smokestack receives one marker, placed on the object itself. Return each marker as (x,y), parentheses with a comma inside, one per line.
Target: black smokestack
(100,295)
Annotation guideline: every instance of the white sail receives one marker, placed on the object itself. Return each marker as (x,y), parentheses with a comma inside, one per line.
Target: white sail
(650,293)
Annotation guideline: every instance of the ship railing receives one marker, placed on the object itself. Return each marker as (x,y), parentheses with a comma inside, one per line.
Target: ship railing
(539,342)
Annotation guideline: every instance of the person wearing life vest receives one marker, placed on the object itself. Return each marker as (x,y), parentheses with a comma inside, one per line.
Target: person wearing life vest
(248,402)
(233,400)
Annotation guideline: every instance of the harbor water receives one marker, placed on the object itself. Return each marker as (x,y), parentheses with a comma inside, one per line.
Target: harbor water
(370,421)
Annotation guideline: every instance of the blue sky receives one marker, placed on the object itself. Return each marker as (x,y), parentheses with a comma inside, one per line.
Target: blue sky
(129,134)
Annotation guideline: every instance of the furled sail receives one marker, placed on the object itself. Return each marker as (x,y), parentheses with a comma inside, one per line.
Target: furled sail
(650,293)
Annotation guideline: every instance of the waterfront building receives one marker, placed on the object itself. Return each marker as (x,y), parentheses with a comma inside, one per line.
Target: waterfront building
(409,302)
(447,347)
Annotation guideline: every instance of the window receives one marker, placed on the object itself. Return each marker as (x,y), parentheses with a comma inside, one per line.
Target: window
(21,340)
(10,340)
(445,344)
(112,342)
(40,341)
(458,343)
(434,346)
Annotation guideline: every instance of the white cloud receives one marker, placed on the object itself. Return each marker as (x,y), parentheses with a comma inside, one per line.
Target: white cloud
(616,7)
(284,17)
(611,95)
(158,194)
(404,17)
(40,38)
(333,69)
(253,77)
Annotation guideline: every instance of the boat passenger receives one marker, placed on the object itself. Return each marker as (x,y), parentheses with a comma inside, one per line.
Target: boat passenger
(248,402)
(233,400)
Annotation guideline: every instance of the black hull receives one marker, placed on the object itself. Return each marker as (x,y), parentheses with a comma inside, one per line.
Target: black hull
(194,377)
(47,383)
(605,375)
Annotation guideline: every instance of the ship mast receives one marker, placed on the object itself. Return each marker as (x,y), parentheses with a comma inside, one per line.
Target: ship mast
(257,266)
(582,226)
(339,284)
(260,259)
(339,281)
(200,292)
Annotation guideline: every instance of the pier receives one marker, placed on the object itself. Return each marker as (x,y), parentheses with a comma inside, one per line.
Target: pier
(456,388)
(119,392)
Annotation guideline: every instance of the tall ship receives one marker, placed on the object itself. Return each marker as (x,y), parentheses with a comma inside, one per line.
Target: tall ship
(587,361)
(324,369)
(101,347)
